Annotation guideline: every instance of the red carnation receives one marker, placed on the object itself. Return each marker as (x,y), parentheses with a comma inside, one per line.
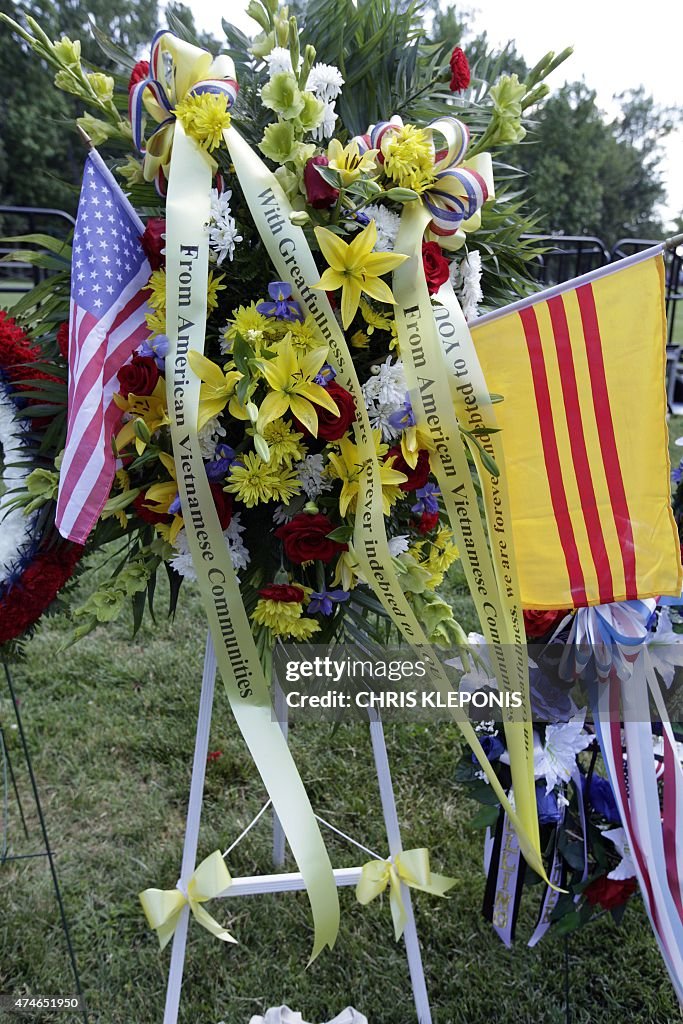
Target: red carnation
(138,74)
(416,477)
(436,267)
(305,539)
(331,427)
(36,589)
(609,892)
(63,339)
(153,242)
(539,623)
(460,70)
(427,522)
(282,592)
(148,515)
(17,352)
(223,503)
(138,377)
(319,194)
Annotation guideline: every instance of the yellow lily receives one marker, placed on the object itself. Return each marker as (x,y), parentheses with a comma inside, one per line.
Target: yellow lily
(290,377)
(347,466)
(413,440)
(355,268)
(217,390)
(349,162)
(160,497)
(148,409)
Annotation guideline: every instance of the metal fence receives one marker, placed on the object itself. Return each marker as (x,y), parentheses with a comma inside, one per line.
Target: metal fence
(17,276)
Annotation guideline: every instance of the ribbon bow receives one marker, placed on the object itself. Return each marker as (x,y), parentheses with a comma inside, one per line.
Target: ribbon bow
(176,69)
(460,187)
(163,907)
(410,868)
(612,634)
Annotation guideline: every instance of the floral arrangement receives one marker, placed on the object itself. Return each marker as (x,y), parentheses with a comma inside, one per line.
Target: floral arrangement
(274,422)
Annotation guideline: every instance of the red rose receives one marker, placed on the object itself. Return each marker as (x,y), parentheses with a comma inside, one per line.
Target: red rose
(319,194)
(428,520)
(153,241)
(305,539)
(223,503)
(416,477)
(538,623)
(138,74)
(609,892)
(460,70)
(436,267)
(282,592)
(63,339)
(138,377)
(331,427)
(148,515)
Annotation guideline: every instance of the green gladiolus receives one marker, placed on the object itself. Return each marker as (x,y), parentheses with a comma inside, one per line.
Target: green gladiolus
(312,113)
(278,142)
(282,94)
(101,85)
(68,52)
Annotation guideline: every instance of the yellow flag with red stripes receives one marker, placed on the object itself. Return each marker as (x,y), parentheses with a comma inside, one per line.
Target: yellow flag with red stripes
(581,368)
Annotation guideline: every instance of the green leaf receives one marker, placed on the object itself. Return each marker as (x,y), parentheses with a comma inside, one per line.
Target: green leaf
(329,175)
(486,817)
(55,245)
(343,534)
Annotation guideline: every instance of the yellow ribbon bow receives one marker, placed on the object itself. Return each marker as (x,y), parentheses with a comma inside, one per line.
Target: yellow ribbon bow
(177,68)
(412,869)
(163,907)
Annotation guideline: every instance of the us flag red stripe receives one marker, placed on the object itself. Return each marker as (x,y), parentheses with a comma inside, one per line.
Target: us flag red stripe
(107,324)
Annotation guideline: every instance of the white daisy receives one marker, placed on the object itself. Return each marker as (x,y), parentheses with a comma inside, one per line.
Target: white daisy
(387,223)
(223,230)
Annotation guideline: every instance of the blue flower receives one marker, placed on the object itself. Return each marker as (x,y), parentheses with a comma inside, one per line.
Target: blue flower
(175,507)
(601,797)
(283,306)
(677,473)
(549,811)
(549,703)
(326,374)
(492,746)
(157,349)
(323,602)
(223,459)
(403,418)
(358,216)
(426,499)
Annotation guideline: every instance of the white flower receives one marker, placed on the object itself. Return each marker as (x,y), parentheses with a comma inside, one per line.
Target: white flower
(556,759)
(626,868)
(239,556)
(665,648)
(399,544)
(387,223)
(385,393)
(15,527)
(465,275)
(311,474)
(282,515)
(325,130)
(223,231)
(326,81)
(209,436)
(280,59)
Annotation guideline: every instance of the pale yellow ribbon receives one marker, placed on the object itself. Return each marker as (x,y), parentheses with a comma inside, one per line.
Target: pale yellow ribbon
(163,907)
(410,868)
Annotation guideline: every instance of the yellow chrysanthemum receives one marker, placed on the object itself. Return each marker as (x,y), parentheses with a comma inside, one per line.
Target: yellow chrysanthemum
(284,619)
(156,321)
(284,443)
(409,157)
(257,481)
(156,286)
(204,117)
(305,334)
(360,340)
(375,321)
(247,323)
(213,287)
(303,629)
(347,466)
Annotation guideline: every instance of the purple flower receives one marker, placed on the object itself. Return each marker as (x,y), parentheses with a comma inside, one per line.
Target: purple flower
(324,601)
(157,349)
(601,797)
(549,811)
(426,499)
(326,374)
(403,418)
(492,746)
(175,506)
(358,216)
(677,473)
(283,306)
(223,459)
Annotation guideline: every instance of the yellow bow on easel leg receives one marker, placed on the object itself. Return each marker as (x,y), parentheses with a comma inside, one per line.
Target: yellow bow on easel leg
(410,867)
(163,907)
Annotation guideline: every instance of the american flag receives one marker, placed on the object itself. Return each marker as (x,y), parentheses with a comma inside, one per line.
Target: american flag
(106,325)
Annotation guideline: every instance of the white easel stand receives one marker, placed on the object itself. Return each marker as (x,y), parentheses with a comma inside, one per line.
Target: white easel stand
(291,880)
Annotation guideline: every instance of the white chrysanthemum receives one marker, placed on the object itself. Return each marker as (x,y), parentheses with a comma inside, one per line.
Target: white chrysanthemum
(310,472)
(387,223)
(326,81)
(15,527)
(280,59)
(282,514)
(325,130)
(556,758)
(465,277)
(239,556)
(399,544)
(209,436)
(385,393)
(223,231)
(625,868)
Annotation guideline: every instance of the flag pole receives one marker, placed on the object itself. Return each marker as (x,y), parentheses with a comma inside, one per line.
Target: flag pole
(85,138)
(674,241)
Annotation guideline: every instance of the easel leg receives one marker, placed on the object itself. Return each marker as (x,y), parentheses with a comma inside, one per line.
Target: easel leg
(280,705)
(194,809)
(386,792)
(13,779)
(46,842)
